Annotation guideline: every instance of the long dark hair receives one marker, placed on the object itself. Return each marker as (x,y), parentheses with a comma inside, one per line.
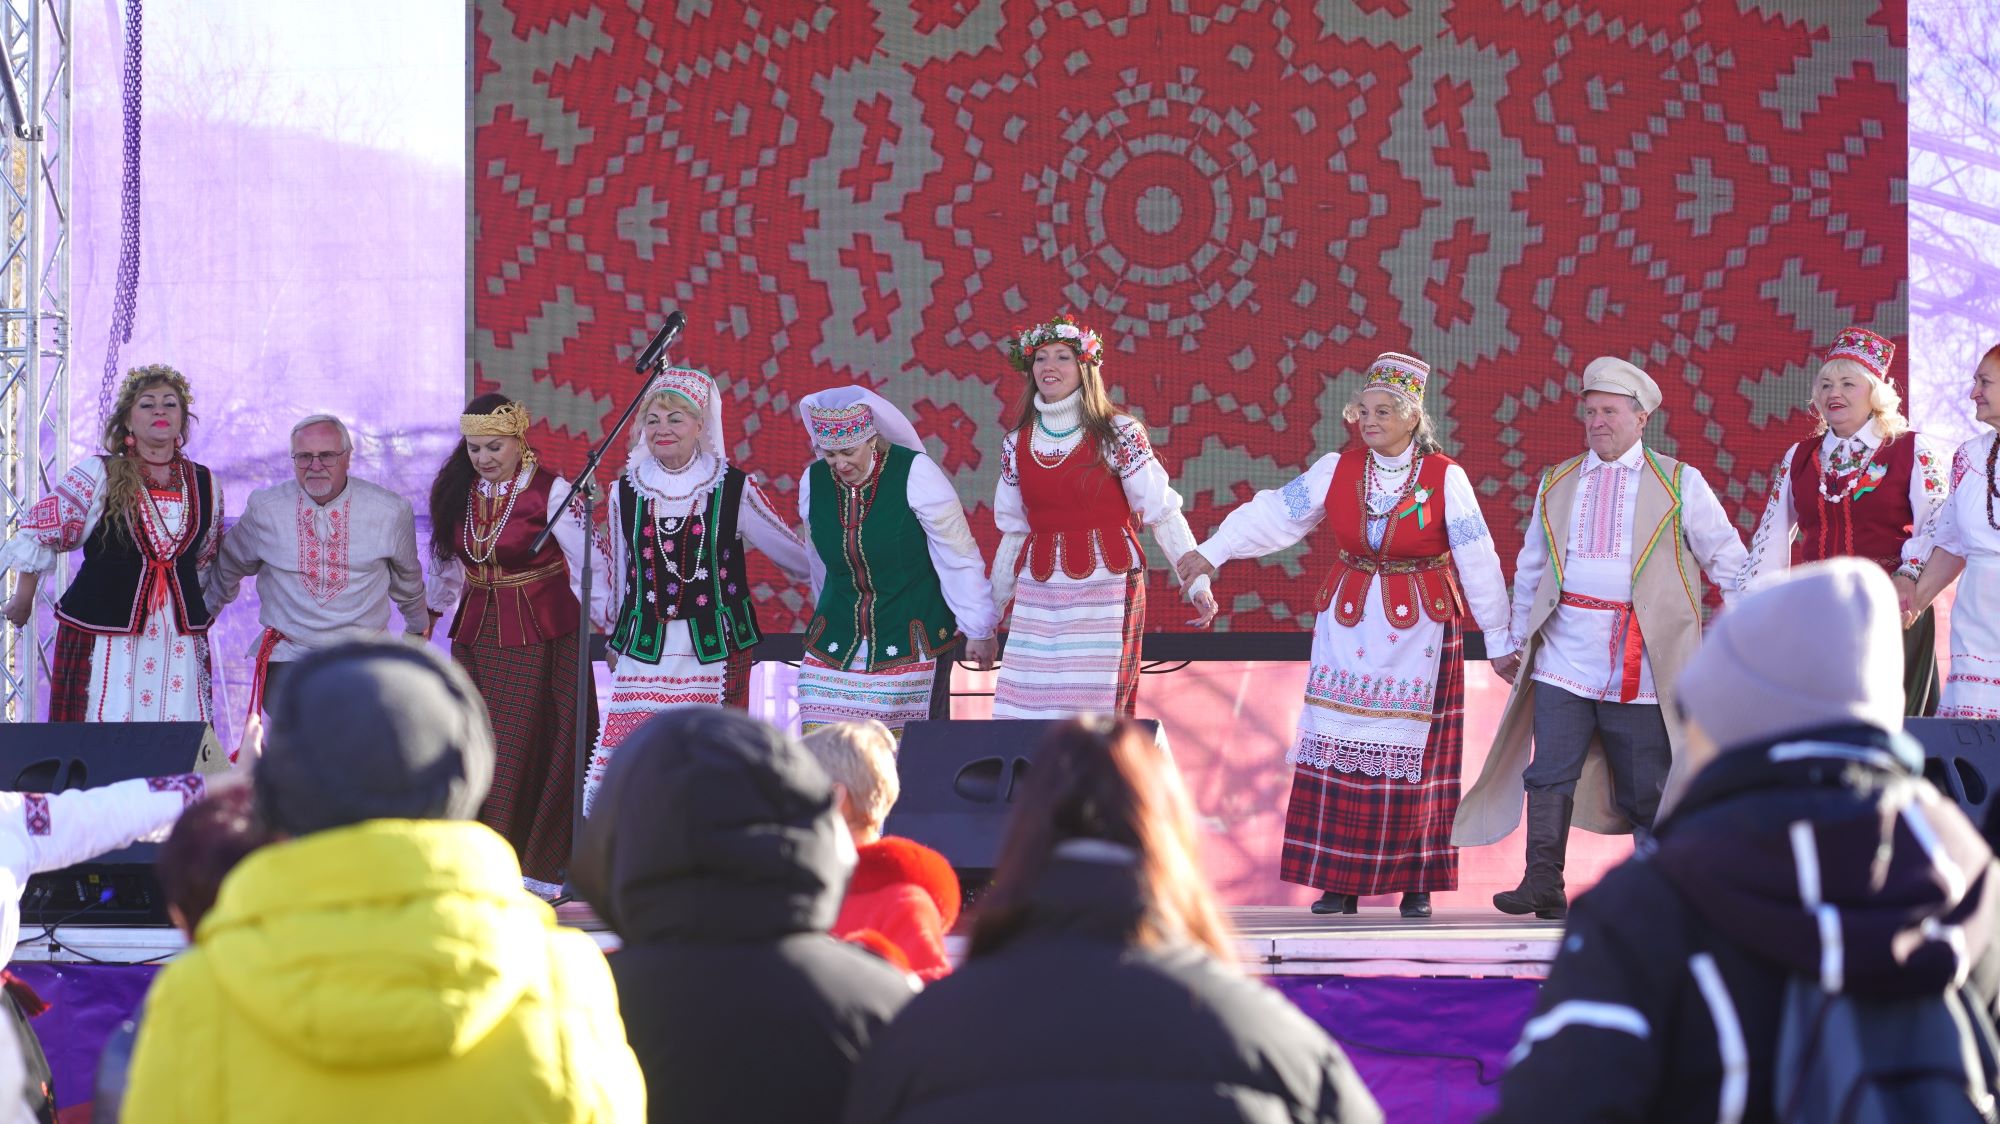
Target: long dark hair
(454,483)
(1106,779)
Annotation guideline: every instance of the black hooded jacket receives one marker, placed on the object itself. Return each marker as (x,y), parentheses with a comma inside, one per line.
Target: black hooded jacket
(1665,1001)
(715,851)
(1071,1023)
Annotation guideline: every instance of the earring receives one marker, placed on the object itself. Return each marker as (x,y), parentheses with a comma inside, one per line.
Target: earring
(130,441)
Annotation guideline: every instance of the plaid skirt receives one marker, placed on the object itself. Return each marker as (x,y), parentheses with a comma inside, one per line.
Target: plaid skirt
(530,694)
(69,677)
(1354,834)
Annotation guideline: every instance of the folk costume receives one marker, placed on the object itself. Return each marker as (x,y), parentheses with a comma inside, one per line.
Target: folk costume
(686,621)
(1968,525)
(1607,609)
(132,629)
(1069,556)
(898,581)
(1380,738)
(515,635)
(1869,496)
(325,572)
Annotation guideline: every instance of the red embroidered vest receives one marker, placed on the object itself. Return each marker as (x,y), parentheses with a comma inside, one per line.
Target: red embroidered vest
(1873,526)
(530,592)
(1414,562)
(1076,514)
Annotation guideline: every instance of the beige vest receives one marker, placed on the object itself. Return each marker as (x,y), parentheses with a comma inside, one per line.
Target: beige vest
(1666,597)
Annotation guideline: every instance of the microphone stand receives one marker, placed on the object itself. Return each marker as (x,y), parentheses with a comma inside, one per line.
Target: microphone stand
(586,485)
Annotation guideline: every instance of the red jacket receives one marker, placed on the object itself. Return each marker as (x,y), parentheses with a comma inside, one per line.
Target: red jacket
(908,893)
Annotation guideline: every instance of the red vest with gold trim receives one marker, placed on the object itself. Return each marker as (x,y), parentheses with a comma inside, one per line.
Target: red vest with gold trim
(1414,563)
(530,592)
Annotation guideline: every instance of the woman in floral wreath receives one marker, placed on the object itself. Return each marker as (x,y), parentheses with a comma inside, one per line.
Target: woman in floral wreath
(1380,740)
(1869,487)
(680,518)
(515,629)
(898,580)
(1077,478)
(132,629)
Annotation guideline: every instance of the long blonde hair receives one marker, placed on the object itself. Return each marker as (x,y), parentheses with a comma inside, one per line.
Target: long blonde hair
(1885,402)
(124,482)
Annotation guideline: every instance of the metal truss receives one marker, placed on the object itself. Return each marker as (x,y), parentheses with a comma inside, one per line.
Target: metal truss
(34,307)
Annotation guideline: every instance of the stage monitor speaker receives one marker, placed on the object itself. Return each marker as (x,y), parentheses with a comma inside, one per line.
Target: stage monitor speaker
(117,888)
(1961,757)
(960,779)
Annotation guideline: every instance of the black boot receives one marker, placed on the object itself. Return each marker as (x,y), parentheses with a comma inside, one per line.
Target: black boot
(1416,905)
(1541,888)
(1331,902)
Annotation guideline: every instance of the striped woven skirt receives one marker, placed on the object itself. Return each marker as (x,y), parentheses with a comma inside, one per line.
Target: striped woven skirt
(641,690)
(1073,647)
(530,694)
(1351,833)
(893,697)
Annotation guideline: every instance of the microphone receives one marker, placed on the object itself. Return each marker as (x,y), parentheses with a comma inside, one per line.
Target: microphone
(663,339)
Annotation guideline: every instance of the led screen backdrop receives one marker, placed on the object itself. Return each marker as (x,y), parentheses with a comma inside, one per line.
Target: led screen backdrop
(1250,201)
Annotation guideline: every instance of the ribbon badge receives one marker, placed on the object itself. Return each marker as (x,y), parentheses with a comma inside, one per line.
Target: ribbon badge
(1415,507)
(1871,478)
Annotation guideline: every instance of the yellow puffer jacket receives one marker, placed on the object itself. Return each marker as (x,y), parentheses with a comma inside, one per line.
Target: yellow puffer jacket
(390,971)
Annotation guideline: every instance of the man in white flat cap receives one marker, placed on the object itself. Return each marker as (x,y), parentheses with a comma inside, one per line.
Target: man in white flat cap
(1607,609)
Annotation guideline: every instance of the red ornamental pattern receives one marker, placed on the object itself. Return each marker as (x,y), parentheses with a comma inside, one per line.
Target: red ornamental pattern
(1249,201)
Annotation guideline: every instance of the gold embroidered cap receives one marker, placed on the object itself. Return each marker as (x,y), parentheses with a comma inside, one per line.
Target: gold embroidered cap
(507,421)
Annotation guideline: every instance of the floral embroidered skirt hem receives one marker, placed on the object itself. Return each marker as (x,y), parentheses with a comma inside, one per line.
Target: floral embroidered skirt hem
(1358,826)
(641,690)
(158,674)
(531,700)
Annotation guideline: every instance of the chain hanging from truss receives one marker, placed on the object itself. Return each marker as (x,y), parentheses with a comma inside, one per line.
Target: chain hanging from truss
(125,301)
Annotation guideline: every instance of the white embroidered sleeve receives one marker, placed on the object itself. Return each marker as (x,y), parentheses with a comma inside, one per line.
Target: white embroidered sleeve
(1478,563)
(406,573)
(572,537)
(66,828)
(1710,534)
(954,554)
(1274,518)
(1529,566)
(1005,558)
(59,521)
(1010,515)
(762,528)
(816,566)
(614,559)
(443,585)
(1150,494)
(241,556)
(1770,551)
(1947,535)
(1929,492)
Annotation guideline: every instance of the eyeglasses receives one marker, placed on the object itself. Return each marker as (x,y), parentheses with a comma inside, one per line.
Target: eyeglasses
(306,460)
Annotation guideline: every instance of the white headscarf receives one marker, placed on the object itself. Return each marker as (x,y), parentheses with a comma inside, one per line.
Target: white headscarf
(889,421)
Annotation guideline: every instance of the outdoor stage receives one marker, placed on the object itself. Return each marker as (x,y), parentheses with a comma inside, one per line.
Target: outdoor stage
(1426,1009)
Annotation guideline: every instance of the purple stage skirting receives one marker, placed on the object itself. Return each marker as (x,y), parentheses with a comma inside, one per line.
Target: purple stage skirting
(1429,1049)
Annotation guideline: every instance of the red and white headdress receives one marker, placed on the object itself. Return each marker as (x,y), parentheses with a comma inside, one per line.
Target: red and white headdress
(1865,348)
(1404,374)
(1062,329)
(842,417)
(699,392)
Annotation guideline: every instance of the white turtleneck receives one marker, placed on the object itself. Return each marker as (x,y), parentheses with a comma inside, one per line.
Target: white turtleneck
(1151,496)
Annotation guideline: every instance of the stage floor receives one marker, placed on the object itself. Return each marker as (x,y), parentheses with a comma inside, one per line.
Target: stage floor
(1275,940)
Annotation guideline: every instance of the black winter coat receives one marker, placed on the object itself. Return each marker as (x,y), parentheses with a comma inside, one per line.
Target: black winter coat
(715,853)
(1665,1001)
(1068,1022)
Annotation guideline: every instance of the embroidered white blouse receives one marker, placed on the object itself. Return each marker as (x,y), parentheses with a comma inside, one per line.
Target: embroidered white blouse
(324,572)
(1771,545)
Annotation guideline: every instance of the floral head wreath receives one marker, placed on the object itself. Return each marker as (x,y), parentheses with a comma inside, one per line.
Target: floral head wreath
(157,372)
(1062,329)
(509,420)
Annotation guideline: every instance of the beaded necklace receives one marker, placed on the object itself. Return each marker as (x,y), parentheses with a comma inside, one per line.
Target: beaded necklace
(1860,474)
(856,500)
(482,529)
(161,541)
(1992,486)
(1374,485)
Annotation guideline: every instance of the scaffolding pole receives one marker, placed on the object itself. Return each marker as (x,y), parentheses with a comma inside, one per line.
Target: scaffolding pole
(34,310)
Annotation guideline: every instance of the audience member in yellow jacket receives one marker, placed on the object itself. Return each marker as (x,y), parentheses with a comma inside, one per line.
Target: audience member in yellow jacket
(384,962)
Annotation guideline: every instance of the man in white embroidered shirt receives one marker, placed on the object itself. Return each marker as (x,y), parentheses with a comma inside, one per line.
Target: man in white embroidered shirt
(329,552)
(1607,609)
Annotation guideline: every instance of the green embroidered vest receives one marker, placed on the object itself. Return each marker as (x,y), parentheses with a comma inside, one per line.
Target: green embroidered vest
(880,584)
